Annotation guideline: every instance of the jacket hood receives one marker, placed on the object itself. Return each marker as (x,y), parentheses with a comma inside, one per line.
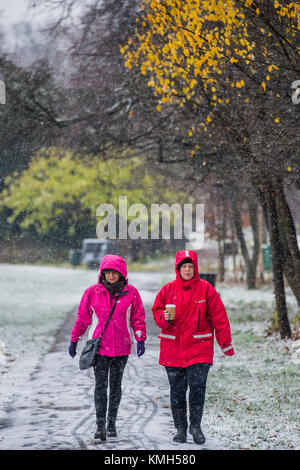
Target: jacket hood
(181,255)
(115,262)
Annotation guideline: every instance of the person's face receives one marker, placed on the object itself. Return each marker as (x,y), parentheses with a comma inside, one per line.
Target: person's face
(187,271)
(111,276)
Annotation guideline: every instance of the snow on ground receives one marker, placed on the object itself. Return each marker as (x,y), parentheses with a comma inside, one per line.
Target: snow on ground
(47,402)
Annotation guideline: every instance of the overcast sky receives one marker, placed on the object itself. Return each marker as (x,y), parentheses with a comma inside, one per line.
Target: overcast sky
(13,11)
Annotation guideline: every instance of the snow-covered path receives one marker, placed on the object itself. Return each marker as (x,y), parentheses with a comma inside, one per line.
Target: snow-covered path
(46,402)
(54,409)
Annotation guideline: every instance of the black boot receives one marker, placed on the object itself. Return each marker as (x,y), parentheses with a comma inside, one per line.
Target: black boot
(180,421)
(197,434)
(111,427)
(180,436)
(101,431)
(195,424)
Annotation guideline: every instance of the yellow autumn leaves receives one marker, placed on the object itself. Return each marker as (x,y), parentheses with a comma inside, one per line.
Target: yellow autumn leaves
(181,40)
(193,40)
(187,47)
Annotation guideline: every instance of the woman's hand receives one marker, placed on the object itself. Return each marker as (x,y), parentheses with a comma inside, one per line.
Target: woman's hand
(72,349)
(140,348)
(167,316)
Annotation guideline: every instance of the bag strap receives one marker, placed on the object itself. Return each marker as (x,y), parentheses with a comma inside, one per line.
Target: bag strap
(110,315)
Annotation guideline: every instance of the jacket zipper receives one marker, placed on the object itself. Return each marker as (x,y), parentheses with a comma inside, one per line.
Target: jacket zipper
(198,322)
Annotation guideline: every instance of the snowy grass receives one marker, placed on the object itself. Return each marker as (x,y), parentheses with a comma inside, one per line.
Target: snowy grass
(252,398)
(34,302)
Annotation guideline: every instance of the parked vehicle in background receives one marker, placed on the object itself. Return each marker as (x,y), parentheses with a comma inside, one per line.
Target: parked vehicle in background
(94,249)
(92,252)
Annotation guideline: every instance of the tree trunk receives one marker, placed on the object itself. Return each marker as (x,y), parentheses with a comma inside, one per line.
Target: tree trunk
(288,265)
(290,273)
(234,251)
(221,236)
(251,264)
(221,249)
(277,262)
(260,262)
(253,211)
(288,230)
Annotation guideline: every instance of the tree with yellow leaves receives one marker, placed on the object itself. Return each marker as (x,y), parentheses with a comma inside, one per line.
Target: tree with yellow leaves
(205,41)
(230,65)
(59,193)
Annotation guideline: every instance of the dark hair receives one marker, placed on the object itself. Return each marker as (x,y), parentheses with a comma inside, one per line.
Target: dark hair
(185,260)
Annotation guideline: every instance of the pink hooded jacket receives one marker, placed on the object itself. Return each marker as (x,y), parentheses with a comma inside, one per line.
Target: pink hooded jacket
(127,321)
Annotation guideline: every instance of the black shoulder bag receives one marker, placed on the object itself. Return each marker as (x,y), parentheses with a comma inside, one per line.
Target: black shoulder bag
(88,354)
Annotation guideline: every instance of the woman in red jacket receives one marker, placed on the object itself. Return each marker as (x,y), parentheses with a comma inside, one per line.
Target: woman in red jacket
(187,342)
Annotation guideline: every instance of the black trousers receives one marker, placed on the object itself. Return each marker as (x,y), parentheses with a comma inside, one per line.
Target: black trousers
(193,377)
(108,370)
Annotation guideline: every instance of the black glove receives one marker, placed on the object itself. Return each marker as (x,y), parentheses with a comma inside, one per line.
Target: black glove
(72,349)
(140,348)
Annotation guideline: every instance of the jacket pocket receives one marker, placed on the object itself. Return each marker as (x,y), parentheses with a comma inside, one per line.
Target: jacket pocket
(200,319)
(168,337)
(202,336)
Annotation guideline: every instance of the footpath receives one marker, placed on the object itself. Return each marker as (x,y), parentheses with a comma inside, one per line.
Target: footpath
(55,409)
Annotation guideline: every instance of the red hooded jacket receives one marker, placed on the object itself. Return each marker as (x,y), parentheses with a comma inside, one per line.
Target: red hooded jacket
(200,313)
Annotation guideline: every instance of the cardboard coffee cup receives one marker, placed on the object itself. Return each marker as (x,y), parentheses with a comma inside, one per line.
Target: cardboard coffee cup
(171,310)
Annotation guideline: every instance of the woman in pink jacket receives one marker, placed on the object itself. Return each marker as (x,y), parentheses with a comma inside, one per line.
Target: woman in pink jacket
(187,342)
(127,323)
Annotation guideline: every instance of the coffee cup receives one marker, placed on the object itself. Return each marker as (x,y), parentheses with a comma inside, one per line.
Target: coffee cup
(171,311)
